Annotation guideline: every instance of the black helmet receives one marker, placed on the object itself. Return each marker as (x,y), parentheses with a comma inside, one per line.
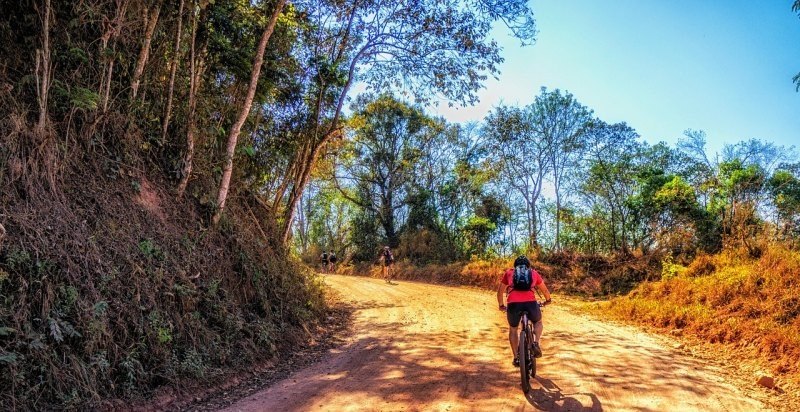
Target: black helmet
(522,260)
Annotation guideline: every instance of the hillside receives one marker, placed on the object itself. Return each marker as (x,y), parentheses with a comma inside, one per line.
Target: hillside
(748,307)
(110,288)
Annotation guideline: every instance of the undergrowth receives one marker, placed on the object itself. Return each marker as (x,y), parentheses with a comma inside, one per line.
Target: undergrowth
(729,298)
(585,275)
(104,295)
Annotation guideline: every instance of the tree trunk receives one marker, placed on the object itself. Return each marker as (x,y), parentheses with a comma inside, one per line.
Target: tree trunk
(299,185)
(558,218)
(144,54)
(111,30)
(172,71)
(43,70)
(194,84)
(233,136)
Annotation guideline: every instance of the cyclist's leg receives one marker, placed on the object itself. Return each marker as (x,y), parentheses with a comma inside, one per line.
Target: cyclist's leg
(535,314)
(513,339)
(538,327)
(513,315)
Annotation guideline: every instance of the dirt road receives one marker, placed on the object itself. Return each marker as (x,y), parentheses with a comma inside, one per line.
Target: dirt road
(418,347)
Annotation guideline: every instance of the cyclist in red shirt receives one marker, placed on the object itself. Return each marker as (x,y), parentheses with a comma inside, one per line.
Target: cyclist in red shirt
(519,301)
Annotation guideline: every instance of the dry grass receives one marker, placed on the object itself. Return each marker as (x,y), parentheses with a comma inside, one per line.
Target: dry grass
(731,299)
(482,274)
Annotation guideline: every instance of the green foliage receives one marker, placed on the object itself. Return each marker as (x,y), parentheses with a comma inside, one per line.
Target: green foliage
(670,269)
(150,250)
(83,98)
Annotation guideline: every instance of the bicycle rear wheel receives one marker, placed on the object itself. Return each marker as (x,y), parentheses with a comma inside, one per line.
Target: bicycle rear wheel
(529,330)
(524,361)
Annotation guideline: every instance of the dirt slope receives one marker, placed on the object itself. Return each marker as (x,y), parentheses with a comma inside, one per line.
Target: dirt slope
(419,347)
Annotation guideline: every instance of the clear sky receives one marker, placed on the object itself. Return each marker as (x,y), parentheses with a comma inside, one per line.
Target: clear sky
(724,67)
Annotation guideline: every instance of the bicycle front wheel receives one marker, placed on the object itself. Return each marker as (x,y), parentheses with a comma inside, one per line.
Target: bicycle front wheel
(524,361)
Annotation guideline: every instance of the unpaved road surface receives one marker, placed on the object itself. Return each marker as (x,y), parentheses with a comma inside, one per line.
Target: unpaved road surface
(419,347)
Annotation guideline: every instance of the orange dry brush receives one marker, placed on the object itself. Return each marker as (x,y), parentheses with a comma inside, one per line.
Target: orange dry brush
(745,303)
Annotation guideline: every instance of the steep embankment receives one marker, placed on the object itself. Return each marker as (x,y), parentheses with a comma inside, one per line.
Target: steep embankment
(110,288)
(747,308)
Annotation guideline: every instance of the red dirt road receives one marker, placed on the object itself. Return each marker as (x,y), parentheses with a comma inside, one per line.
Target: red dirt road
(419,347)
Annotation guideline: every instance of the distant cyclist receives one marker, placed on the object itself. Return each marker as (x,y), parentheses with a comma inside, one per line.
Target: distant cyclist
(323,258)
(387,259)
(332,262)
(519,283)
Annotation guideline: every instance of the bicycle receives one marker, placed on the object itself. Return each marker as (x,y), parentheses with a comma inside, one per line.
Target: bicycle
(527,362)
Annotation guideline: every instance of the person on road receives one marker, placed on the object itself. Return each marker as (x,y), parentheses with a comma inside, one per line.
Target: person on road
(518,283)
(323,258)
(332,262)
(387,259)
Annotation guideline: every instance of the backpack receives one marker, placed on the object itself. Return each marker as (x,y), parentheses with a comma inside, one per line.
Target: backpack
(387,256)
(324,256)
(522,279)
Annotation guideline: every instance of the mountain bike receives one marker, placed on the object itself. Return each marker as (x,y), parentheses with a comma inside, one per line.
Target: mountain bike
(527,362)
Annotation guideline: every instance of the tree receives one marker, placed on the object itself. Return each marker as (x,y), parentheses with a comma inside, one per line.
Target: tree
(612,153)
(796,78)
(150,20)
(420,47)
(784,187)
(388,140)
(233,135)
(560,121)
(521,156)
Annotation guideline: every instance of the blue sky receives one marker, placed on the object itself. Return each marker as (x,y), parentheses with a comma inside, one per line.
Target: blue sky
(661,66)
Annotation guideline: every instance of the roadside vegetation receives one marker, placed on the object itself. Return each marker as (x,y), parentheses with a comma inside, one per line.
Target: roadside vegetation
(750,303)
(678,236)
(171,172)
(152,157)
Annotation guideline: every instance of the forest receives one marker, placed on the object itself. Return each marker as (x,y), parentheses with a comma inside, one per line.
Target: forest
(171,171)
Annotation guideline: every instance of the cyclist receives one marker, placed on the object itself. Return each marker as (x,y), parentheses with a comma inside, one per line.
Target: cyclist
(332,265)
(522,300)
(387,259)
(324,261)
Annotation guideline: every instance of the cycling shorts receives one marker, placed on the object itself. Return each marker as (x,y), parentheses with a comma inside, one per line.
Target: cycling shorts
(515,309)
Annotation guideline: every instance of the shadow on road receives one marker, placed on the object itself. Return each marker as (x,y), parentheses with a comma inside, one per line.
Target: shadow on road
(549,397)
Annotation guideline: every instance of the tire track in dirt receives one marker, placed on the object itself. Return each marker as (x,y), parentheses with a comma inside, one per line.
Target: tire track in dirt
(421,347)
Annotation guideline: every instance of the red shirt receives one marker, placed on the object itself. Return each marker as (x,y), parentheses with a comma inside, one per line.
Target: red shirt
(521,295)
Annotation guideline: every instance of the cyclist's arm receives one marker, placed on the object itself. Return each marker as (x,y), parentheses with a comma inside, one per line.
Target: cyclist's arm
(543,288)
(501,291)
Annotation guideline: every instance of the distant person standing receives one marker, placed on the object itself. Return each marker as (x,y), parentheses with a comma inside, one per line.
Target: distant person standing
(324,261)
(332,262)
(387,259)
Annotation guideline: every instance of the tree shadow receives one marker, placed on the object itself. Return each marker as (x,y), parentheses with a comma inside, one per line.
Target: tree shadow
(425,369)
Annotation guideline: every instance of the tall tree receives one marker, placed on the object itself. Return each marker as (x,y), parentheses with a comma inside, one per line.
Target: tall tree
(173,70)
(150,20)
(423,48)
(389,138)
(560,121)
(522,158)
(233,135)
